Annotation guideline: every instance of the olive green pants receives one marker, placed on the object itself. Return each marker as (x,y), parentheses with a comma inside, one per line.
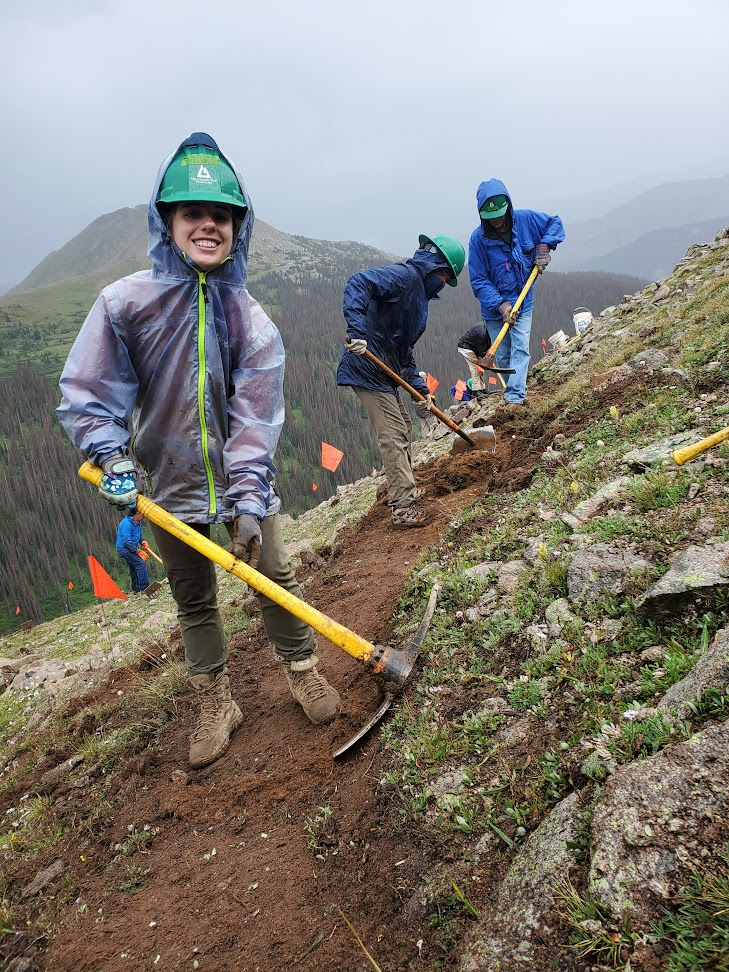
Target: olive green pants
(394,430)
(194,587)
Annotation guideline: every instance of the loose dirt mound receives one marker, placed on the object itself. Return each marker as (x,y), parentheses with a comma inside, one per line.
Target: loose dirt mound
(246,863)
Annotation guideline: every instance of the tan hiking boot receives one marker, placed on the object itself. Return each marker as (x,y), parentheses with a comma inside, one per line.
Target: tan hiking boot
(310,689)
(410,516)
(219,718)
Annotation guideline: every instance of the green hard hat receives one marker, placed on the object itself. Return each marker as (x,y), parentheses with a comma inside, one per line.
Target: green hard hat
(494,207)
(451,249)
(199,174)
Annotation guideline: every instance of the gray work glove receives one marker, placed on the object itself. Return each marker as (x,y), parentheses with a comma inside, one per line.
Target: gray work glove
(507,314)
(246,545)
(424,406)
(356,345)
(119,481)
(542,256)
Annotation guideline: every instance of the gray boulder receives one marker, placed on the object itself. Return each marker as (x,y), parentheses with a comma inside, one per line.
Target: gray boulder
(694,569)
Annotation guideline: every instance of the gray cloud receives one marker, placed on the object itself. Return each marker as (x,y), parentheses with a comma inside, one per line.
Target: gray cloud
(371,122)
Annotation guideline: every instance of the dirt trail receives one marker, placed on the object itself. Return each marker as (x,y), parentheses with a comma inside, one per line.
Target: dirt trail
(231,883)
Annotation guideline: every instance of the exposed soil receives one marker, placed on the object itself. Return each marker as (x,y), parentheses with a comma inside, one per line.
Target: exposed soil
(228,881)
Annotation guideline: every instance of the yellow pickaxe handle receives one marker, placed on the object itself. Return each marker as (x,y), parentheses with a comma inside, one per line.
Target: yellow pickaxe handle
(680,456)
(490,356)
(381,661)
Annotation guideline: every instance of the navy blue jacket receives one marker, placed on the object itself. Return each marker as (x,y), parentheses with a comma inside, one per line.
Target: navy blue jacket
(498,271)
(388,307)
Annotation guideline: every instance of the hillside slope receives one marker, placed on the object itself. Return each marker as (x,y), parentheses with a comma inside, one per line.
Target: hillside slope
(552,789)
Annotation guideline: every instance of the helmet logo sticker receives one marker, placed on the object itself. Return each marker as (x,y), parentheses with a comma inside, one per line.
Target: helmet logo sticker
(202,173)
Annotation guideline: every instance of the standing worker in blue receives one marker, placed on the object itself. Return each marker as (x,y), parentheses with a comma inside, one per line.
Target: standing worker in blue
(130,547)
(174,386)
(502,252)
(386,310)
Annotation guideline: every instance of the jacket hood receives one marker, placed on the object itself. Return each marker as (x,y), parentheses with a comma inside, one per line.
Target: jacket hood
(492,187)
(426,261)
(165,255)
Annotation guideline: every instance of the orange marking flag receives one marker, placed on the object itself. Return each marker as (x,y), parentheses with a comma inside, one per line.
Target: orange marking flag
(104,586)
(314,487)
(330,457)
(432,383)
(70,585)
(460,388)
(17,610)
(492,380)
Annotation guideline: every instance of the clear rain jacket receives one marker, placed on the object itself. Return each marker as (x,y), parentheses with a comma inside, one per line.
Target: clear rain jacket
(388,307)
(184,371)
(498,271)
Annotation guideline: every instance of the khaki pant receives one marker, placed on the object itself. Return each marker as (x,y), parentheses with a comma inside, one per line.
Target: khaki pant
(477,382)
(393,428)
(194,587)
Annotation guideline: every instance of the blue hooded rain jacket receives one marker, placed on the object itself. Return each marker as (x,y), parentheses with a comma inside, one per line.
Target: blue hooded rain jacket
(498,272)
(184,371)
(388,307)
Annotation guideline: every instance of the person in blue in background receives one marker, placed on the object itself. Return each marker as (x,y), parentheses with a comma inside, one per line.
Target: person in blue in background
(129,541)
(502,251)
(386,310)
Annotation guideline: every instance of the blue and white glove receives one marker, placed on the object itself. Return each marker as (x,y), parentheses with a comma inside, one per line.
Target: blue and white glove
(246,545)
(119,481)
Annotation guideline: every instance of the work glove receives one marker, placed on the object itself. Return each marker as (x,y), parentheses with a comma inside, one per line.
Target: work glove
(542,256)
(357,345)
(119,481)
(145,544)
(246,545)
(507,314)
(424,406)
(142,554)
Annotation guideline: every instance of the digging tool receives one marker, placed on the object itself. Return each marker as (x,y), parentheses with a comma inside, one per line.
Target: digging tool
(484,439)
(680,456)
(153,554)
(412,651)
(488,360)
(391,664)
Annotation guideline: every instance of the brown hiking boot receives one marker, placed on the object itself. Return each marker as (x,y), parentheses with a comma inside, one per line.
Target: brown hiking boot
(410,516)
(219,718)
(310,689)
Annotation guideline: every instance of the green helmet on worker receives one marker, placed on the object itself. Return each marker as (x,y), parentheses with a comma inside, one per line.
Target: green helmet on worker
(198,173)
(451,249)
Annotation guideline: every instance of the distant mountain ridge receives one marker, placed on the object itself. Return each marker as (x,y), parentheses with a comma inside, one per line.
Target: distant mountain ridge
(119,239)
(649,234)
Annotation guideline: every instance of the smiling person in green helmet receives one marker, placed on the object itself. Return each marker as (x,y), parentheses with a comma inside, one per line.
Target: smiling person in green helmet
(176,377)
(386,310)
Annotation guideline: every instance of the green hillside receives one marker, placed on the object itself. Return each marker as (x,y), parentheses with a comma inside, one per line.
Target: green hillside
(300,283)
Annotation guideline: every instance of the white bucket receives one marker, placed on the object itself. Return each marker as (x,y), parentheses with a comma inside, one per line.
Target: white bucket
(558,340)
(582,318)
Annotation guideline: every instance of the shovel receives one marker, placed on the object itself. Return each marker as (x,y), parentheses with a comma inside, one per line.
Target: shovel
(484,440)
(490,357)
(392,665)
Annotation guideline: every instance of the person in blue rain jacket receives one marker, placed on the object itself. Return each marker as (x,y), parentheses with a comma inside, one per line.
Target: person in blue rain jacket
(386,310)
(502,252)
(129,540)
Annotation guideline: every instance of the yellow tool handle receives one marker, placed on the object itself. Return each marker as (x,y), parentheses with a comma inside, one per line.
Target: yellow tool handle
(336,633)
(680,456)
(491,353)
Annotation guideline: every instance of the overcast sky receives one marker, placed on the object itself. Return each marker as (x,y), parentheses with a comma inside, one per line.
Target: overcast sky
(371,121)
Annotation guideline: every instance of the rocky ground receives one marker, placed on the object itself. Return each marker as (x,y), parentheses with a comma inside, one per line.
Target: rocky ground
(551,784)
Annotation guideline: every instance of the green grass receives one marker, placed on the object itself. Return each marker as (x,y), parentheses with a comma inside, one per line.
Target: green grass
(697,929)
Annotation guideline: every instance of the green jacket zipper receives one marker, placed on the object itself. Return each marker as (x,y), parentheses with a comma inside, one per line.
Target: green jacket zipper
(202,300)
